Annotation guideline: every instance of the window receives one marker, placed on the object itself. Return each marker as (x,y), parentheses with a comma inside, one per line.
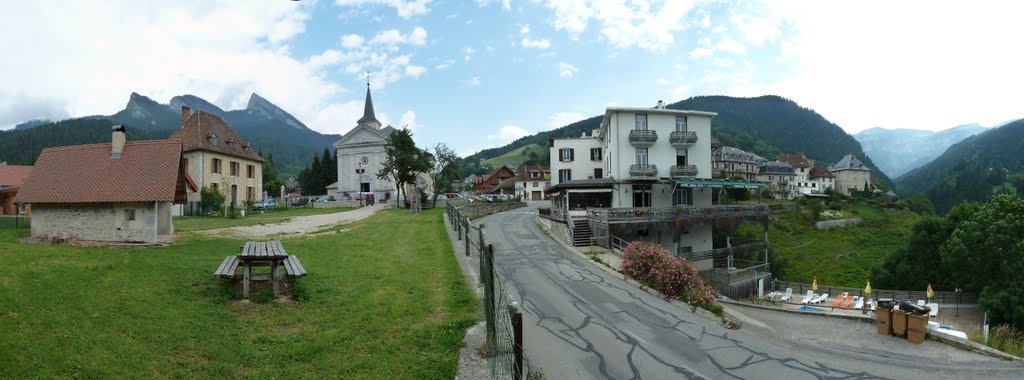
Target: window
(536,184)
(681,157)
(360,171)
(682,197)
(250,192)
(598,173)
(641,156)
(129,215)
(641,122)
(680,123)
(564,175)
(251,171)
(595,154)
(641,195)
(215,166)
(566,154)
(213,138)
(234,166)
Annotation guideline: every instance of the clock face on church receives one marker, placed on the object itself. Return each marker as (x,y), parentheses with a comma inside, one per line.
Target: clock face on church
(364,160)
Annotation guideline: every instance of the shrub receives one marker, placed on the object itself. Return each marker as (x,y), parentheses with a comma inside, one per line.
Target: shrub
(676,278)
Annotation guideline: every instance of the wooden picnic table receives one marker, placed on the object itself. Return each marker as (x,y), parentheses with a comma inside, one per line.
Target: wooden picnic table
(259,253)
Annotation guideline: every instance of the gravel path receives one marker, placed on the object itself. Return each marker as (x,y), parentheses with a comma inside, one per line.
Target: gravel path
(298,225)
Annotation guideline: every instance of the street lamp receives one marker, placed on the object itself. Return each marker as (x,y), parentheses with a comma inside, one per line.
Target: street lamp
(958,302)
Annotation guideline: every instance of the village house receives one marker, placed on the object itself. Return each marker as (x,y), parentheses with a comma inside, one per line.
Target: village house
(500,181)
(851,174)
(112,192)
(655,186)
(11,178)
(821,179)
(217,157)
(802,168)
(588,165)
(728,162)
(531,182)
(779,178)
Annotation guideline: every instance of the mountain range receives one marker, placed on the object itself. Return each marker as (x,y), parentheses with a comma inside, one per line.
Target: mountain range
(897,151)
(973,169)
(765,125)
(268,127)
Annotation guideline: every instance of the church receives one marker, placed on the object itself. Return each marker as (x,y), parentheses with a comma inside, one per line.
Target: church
(361,154)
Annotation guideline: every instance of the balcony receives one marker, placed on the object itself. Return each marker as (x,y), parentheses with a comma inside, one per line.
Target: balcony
(680,140)
(683,171)
(643,171)
(642,138)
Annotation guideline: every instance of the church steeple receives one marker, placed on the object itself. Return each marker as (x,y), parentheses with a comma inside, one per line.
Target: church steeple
(369,118)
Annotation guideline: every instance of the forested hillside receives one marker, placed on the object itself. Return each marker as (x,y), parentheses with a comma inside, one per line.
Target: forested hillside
(22,147)
(974,169)
(765,125)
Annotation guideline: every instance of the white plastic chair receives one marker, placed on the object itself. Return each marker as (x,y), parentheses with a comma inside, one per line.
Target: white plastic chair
(859,304)
(935,310)
(808,297)
(788,295)
(820,298)
(920,302)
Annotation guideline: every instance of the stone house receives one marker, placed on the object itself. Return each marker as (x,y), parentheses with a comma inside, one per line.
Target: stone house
(802,168)
(780,179)
(116,192)
(728,162)
(851,174)
(217,157)
(11,178)
(821,179)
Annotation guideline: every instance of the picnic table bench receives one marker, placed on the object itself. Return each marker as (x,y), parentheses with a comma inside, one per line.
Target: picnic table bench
(252,254)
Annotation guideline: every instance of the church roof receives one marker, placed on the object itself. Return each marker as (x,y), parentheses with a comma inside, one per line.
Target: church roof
(369,117)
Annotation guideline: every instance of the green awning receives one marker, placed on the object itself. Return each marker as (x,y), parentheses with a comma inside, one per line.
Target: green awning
(717,183)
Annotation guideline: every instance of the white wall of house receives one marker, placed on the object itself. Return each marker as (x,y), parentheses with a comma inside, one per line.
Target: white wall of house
(581,166)
(149,222)
(620,154)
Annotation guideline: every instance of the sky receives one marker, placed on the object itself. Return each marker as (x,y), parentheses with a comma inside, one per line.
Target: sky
(477,74)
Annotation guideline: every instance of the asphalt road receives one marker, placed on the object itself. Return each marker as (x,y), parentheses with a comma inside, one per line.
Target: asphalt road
(582,322)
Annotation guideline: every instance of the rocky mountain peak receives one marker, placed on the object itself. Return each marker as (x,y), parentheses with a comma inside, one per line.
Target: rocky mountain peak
(195,103)
(261,107)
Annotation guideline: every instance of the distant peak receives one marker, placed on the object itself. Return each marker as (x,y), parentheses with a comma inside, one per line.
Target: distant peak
(258,102)
(264,108)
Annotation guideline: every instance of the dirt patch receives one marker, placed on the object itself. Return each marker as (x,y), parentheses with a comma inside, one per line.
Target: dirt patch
(300,225)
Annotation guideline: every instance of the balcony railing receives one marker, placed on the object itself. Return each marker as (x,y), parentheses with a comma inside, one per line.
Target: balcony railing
(668,214)
(642,138)
(682,139)
(643,171)
(683,171)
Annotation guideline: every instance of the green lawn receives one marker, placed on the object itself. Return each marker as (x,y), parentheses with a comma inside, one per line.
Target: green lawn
(195,223)
(841,256)
(516,156)
(384,299)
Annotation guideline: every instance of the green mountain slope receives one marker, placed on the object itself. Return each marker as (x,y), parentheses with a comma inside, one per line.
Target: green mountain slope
(972,170)
(517,156)
(766,125)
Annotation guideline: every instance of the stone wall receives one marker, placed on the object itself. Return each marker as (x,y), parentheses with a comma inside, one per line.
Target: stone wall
(98,222)
(829,224)
(478,210)
(560,231)
(337,204)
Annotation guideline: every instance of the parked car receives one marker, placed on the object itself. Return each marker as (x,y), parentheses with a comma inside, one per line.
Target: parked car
(325,198)
(266,204)
(365,197)
(299,201)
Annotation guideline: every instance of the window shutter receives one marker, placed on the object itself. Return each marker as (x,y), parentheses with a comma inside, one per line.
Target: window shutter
(572,154)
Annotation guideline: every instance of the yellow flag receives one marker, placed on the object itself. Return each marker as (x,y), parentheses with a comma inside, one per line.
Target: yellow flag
(931,293)
(814,284)
(867,289)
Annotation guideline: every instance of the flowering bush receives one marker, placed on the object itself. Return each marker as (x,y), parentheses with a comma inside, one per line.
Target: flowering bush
(676,278)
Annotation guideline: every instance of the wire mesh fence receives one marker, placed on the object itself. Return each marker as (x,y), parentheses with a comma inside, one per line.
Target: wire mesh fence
(18,221)
(503,319)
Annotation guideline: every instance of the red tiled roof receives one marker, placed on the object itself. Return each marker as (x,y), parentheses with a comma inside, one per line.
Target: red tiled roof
(195,135)
(13,175)
(147,171)
(818,172)
(798,160)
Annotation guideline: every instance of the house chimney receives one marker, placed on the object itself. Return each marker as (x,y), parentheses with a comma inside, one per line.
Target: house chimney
(117,141)
(661,105)
(185,111)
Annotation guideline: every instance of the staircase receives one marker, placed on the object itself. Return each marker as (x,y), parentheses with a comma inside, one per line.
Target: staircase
(581,233)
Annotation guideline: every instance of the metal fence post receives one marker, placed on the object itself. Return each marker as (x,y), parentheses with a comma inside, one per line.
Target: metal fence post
(488,259)
(517,337)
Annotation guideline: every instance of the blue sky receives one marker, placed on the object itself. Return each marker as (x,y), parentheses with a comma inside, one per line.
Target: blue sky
(478,74)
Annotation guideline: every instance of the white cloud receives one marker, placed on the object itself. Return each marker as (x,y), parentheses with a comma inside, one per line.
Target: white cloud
(351,41)
(408,120)
(543,43)
(661,81)
(561,119)
(508,133)
(730,45)
(469,54)
(505,4)
(566,70)
(415,71)
(474,81)
(444,65)
(623,25)
(701,52)
(571,16)
(405,9)
(418,37)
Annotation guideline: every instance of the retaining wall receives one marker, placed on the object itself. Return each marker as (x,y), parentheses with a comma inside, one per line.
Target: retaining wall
(829,224)
(474,211)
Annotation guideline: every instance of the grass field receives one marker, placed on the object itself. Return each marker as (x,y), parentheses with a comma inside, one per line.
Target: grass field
(841,256)
(193,223)
(384,299)
(516,156)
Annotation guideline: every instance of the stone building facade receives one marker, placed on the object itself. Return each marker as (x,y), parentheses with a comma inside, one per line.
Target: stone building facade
(217,157)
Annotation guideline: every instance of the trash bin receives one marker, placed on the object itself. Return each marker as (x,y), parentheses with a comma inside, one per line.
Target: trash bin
(883,321)
(899,323)
(917,327)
